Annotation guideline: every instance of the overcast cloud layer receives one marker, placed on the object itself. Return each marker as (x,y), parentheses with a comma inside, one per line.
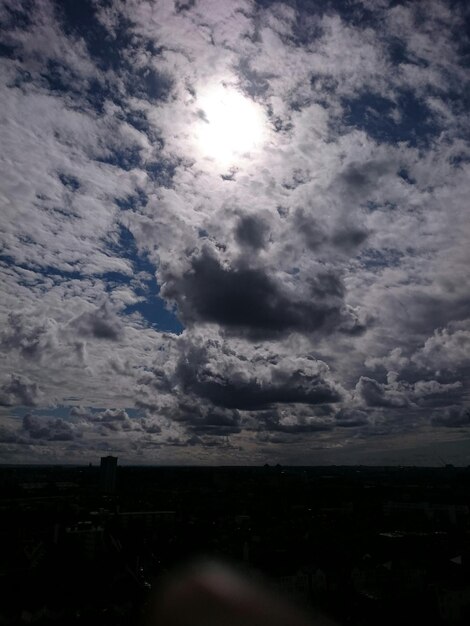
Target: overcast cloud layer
(307,303)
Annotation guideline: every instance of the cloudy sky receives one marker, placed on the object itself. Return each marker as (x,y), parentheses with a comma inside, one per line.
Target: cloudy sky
(235,232)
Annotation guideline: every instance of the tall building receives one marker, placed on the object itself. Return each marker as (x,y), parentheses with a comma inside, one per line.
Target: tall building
(108,474)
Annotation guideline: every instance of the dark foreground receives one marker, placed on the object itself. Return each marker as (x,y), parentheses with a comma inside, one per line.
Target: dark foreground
(364,545)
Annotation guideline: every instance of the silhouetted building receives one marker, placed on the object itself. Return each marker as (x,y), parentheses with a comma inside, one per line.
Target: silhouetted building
(108,474)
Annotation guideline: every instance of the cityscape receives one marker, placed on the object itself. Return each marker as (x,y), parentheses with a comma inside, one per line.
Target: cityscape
(234,312)
(361,545)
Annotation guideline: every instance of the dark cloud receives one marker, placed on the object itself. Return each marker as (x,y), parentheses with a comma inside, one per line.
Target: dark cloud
(349,238)
(427,312)
(376,394)
(344,238)
(47,429)
(9,435)
(251,302)
(452,417)
(100,323)
(150,427)
(251,231)
(310,229)
(351,418)
(253,395)
(361,178)
(34,428)
(231,382)
(401,394)
(212,421)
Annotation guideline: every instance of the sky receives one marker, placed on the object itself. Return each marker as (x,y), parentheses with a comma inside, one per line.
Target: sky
(235,232)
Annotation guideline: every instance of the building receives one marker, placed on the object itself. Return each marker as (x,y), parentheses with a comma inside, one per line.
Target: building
(86,538)
(108,470)
(145,519)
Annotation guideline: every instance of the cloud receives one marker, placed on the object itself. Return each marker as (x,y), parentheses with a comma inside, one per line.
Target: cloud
(319,284)
(290,424)
(344,238)
(47,429)
(250,302)
(115,420)
(452,417)
(251,232)
(213,421)
(19,390)
(30,337)
(99,323)
(11,436)
(448,349)
(351,418)
(212,369)
(400,394)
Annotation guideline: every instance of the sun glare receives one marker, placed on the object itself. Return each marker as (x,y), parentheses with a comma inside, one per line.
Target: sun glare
(230,126)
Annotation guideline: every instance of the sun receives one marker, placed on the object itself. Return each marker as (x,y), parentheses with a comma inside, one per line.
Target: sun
(231,126)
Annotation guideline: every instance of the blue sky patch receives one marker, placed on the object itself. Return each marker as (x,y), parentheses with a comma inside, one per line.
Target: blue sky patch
(126,158)
(162,172)
(155,312)
(133,201)
(373,114)
(79,19)
(153,309)
(375,259)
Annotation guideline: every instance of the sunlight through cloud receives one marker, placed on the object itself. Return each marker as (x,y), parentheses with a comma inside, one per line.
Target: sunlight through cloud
(231,125)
